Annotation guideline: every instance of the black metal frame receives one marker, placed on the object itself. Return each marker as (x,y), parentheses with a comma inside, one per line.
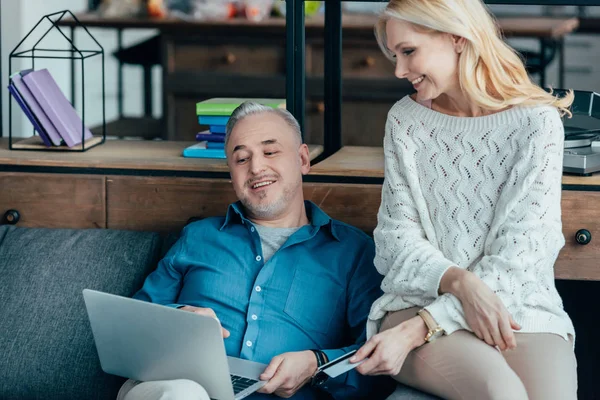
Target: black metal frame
(73,54)
(296,76)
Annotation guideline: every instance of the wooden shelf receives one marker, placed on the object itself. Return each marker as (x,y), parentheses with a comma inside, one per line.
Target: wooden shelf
(123,154)
(352,161)
(359,23)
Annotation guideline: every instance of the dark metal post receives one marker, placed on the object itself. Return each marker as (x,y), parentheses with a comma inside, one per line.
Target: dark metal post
(561,62)
(120,73)
(333,77)
(73,66)
(296,59)
(289,57)
(543,47)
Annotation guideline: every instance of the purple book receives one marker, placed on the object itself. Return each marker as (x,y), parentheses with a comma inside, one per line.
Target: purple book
(210,137)
(35,108)
(56,106)
(15,93)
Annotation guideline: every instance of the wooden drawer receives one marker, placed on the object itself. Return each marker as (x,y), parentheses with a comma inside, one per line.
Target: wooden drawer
(250,59)
(359,60)
(53,200)
(164,204)
(580,210)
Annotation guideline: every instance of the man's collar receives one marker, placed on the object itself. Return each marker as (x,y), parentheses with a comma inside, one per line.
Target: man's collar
(316,216)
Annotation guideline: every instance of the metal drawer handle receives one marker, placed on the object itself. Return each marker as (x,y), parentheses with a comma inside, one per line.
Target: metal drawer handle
(229,58)
(583,236)
(11,217)
(320,107)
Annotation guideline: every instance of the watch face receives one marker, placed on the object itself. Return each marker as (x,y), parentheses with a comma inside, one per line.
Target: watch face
(436,335)
(319,379)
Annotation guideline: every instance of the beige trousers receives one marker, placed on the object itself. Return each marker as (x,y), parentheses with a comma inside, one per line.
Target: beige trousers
(461,366)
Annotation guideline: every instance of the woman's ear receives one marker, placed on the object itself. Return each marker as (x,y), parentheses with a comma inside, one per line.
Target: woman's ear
(459,43)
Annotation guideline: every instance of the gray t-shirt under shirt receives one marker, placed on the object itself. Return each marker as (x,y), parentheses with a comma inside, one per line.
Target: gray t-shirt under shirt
(272,239)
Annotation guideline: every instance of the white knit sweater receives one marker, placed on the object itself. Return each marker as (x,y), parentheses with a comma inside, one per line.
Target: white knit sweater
(479,193)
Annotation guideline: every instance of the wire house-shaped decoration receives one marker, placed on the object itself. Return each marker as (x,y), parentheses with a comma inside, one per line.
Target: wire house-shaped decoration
(73,53)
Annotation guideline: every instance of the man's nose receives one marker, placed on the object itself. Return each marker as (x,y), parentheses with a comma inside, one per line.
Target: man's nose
(257,165)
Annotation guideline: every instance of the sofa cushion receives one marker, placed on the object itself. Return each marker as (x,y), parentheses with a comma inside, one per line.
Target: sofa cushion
(45,338)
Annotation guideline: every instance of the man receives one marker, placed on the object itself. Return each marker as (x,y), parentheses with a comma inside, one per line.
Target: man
(289,285)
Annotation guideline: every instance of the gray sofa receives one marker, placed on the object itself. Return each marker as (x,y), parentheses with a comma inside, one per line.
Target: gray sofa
(46,345)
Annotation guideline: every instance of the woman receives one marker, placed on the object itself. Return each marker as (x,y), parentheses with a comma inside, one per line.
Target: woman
(469,226)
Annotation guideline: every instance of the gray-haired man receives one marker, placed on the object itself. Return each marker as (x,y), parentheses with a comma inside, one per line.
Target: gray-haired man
(289,284)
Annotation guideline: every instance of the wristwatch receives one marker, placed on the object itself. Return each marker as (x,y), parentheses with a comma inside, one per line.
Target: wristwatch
(319,378)
(435,330)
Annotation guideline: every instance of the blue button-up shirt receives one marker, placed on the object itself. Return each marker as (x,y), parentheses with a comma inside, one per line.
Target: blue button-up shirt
(314,293)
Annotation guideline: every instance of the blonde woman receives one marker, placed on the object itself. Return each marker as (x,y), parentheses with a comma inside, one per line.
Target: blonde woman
(469,226)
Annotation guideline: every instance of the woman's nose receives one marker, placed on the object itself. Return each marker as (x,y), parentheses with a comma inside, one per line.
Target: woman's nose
(401,71)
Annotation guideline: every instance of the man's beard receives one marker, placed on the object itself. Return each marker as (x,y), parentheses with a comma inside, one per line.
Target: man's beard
(269,209)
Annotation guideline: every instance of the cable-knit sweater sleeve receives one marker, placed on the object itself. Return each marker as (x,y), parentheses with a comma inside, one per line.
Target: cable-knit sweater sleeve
(525,235)
(412,265)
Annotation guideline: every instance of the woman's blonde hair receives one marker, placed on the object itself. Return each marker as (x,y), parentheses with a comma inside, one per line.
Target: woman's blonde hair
(491,73)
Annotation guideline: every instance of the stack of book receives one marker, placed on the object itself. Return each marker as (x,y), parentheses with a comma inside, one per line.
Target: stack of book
(45,105)
(215,113)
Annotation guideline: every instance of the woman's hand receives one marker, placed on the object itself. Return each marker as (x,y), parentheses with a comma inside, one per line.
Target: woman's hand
(388,349)
(484,311)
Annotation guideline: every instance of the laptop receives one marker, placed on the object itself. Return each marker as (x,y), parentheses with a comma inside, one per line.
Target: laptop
(148,342)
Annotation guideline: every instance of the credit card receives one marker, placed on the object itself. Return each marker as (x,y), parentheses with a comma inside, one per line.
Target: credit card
(340,365)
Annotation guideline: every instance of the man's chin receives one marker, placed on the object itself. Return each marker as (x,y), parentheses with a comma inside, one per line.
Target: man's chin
(261,209)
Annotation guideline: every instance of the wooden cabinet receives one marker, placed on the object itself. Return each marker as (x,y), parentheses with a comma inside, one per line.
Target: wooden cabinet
(249,61)
(580,211)
(54,200)
(164,204)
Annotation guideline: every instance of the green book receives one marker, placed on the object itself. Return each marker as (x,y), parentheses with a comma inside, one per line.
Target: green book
(225,106)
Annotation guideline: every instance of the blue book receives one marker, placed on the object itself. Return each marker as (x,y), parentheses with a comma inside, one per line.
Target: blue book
(36,125)
(217,129)
(199,150)
(210,137)
(208,120)
(215,145)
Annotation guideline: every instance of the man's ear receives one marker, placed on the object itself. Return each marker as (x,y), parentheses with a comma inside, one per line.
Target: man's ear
(304,155)
(459,43)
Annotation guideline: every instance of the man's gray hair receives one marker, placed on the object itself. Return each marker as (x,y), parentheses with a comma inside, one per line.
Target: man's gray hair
(248,108)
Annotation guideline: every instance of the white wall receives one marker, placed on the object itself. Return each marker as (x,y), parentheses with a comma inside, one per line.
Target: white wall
(20,16)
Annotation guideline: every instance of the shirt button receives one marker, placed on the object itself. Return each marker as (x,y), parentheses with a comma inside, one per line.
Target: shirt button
(249,343)
(252,229)
(258,258)
(258,288)
(254,317)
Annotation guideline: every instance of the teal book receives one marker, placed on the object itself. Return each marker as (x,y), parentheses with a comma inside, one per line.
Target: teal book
(212,120)
(200,150)
(223,107)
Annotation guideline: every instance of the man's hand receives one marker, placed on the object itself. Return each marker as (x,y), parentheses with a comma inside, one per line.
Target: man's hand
(388,350)
(207,312)
(288,372)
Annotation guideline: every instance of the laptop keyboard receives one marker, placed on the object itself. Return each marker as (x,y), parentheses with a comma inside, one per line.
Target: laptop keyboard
(240,383)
